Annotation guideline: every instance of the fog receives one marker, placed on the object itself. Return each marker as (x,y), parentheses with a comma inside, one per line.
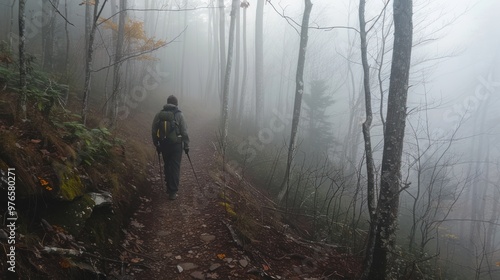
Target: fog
(451,183)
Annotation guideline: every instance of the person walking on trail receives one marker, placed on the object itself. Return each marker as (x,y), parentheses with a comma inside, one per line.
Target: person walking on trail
(170,137)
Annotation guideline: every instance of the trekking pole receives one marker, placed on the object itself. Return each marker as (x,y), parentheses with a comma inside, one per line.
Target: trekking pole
(195,176)
(161,173)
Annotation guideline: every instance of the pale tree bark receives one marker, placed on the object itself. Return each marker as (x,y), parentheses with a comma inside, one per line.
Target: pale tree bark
(184,50)
(212,52)
(88,25)
(213,82)
(259,63)
(299,92)
(88,59)
(388,202)
(22,62)
(222,44)
(244,5)
(118,57)
(227,76)
(370,166)
(11,24)
(236,85)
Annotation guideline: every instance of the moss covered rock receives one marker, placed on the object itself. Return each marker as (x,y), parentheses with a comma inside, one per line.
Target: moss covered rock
(69,185)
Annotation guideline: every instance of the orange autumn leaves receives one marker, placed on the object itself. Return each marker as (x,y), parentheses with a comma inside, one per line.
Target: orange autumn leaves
(45,184)
(135,37)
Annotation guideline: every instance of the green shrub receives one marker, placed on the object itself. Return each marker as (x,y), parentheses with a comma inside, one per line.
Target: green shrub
(92,144)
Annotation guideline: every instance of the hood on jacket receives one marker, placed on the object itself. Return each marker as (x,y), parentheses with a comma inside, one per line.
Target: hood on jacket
(170,107)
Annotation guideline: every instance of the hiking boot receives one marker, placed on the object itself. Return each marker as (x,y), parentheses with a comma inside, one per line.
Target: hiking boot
(172,196)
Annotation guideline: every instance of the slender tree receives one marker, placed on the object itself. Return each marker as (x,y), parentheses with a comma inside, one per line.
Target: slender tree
(22,61)
(244,5)
(299,91)
(117,60)
(11,24)
(388,202)
(88,58)
(66,53)
(227,76)
(236,84)
(184,51)
(259,62)
(370,166)
(212,52)
(48,30)
(222,43)
(88,24)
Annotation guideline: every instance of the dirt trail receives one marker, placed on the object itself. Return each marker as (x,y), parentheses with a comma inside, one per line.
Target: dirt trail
(188,238)
(185,234)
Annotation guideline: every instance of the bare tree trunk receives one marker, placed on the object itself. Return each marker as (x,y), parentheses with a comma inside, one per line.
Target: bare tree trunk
(11,24)
(107,109)
(48,33)
(222,44)
(22,62)
(259,63)
(370,172)
(227,77)
(245,63)
(88,26)
(118,58)
(184,48)
(299,91)
(66,57)
(388,203)
(236,87)
(88,60)
(212,52)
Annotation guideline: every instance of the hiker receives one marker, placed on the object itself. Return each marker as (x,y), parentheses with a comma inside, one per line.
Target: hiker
(170,136)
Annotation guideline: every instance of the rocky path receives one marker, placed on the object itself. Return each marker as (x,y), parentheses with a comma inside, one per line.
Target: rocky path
(185,238)
(194,237)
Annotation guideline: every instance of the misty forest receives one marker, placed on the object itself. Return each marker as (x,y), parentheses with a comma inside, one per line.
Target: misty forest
(329,139)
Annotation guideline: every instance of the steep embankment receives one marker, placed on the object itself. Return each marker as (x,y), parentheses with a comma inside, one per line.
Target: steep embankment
(71,191)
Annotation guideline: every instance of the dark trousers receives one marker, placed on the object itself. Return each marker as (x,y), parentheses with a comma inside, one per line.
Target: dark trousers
(172,155)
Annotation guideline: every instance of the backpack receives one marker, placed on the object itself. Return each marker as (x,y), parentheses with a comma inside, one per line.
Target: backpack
(166,128)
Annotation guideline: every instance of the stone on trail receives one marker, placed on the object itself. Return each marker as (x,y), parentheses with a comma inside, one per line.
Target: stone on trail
(214,266)
(187,266)
(207,237)
(243,263)
(198,275)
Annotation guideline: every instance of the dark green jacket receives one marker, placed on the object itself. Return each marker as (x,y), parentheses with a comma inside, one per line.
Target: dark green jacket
(181,127)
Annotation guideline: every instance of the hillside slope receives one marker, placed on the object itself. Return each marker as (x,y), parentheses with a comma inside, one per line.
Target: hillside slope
(221,228)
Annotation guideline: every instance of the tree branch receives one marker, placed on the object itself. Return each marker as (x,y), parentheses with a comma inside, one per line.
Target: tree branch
(57,11)
(133,55)
(156,10)
(291,20)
